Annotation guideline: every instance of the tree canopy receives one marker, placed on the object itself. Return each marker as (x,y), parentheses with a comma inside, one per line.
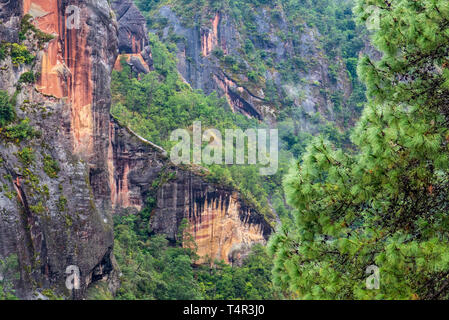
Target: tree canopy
(386,204)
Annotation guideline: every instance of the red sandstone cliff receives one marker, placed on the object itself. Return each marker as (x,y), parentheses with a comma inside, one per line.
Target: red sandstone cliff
(132,37)
(52,221)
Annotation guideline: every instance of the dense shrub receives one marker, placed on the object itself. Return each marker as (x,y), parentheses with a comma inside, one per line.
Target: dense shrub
(7,113)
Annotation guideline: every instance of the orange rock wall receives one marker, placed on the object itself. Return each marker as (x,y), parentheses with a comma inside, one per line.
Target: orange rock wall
(46,18)
(121,162)
(128,56)
(219,232)
(66,68)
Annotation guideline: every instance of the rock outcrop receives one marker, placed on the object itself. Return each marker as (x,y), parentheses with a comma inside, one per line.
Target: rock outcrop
(200,68)
(223,226)
(132,37)
(226,231)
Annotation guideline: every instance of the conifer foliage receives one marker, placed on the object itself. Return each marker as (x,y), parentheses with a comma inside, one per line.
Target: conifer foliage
(386,204)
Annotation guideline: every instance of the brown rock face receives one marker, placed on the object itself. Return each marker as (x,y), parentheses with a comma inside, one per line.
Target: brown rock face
(222,225)
(133,36)
(209,37)
(76,66)
(48,19)
(68,62)
(132,31)
(50,223)
(241,99)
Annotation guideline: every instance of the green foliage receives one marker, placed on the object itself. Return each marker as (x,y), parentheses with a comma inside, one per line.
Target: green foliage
(4,52)
(51,295)
(51,166)
(62,205)
(251,281)
(20,54)
(151,268)
(7,113)
(386,204)
(38,209)
(26,26)
(11,131)
(18,132)
(99,291)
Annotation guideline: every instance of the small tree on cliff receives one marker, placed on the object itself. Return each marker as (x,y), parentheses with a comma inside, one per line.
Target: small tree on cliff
(388,204)
(7,113)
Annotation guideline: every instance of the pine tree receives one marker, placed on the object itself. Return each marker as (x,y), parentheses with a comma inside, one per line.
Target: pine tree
(387,203)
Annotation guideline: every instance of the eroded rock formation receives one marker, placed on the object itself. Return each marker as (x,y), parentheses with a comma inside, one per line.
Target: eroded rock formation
(52,221)
(223,225)
(132,36)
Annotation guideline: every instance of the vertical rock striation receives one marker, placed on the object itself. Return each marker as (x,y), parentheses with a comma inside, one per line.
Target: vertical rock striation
(50,223)
(54,218)
(133,37)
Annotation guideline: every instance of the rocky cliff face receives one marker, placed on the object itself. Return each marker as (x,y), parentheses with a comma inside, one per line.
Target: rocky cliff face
(216,54)
(222,225)
(51,219)
(73,168)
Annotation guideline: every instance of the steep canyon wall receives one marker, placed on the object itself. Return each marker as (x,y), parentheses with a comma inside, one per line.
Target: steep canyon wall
(51,219)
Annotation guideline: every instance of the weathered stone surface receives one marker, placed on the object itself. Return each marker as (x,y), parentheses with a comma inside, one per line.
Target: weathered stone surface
(132,31)
(202,69)
(52,223)
(132,35)
(221,223)
(10,14)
